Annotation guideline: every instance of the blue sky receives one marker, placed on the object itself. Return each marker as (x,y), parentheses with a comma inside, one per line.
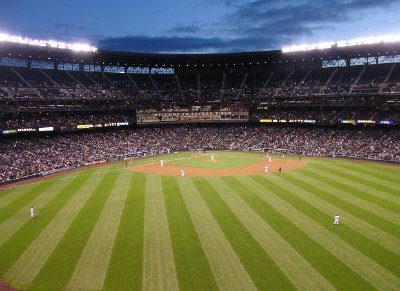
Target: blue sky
(199,26)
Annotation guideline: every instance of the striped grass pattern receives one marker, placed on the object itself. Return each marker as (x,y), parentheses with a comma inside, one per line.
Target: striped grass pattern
(107,228)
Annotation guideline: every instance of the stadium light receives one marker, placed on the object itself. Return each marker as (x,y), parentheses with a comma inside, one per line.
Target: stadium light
(343,43)
(79,47)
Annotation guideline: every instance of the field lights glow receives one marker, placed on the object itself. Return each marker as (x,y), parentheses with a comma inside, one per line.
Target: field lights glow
(79,47)
(343,43)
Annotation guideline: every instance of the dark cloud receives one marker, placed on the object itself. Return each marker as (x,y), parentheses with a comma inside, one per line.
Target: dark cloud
(295,19)
(182,44)
(251,25)
(181,29)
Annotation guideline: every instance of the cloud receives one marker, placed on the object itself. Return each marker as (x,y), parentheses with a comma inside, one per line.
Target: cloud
(176,44)
(294,19)
(180,29)
(251,26)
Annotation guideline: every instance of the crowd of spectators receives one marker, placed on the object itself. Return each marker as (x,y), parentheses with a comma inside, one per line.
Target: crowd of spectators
(35,83)
(324,116)
(329,115)
(25,156)
(63,119)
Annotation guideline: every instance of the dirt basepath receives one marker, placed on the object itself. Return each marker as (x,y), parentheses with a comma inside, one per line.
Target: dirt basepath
(252,169)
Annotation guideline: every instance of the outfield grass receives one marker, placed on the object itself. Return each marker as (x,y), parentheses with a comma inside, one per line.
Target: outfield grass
(107,228)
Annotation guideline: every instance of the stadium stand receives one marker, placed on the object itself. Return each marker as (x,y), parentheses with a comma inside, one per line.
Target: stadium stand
(60,109)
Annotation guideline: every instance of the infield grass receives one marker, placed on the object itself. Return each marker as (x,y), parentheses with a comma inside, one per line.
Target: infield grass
(106,228)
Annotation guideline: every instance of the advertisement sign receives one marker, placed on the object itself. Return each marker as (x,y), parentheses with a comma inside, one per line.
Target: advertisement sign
(361,121)
(50,128)
(386,122)
(84,126)
(9,131)
(348,121)
(27,129)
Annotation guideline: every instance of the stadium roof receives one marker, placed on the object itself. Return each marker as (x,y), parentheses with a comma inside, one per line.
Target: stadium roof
(194,60)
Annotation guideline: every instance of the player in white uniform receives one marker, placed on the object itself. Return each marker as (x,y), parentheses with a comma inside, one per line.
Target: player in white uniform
(162,163)
(270,159)
(336,221)
(182,173)
(32,212)
(266,169)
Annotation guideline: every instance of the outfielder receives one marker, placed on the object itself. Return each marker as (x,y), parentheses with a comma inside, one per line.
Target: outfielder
(336,222)
(32,212)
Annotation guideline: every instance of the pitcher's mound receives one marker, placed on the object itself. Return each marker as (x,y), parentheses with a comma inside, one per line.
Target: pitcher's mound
(252,169)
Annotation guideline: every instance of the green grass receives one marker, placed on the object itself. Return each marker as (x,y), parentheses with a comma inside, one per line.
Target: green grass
(105,228)
(223,160)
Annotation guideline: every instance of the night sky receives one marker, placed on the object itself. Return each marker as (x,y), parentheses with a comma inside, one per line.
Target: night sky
(199,26)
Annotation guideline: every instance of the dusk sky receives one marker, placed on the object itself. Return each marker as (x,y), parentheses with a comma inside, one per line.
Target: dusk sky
(199,26)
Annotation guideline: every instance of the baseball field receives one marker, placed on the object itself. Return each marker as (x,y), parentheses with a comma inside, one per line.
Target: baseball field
(225,225)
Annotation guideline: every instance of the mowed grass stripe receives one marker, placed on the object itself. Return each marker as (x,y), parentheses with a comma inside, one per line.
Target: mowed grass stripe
(227,268)
(29,264)
(91,269)
(125,269)
(327,203)
(344,201)
(159,272)
(13,248)
(389,172)
(327,264)
(293,196)
(387,184)
(352,195)
(57,270)
(18,219)
(277,262)
(24,201)
(262,269)
(383,195)
(9,195)
(356,262)
(193,269)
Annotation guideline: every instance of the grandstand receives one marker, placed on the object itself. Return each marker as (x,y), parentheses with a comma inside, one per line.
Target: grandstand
(50,92)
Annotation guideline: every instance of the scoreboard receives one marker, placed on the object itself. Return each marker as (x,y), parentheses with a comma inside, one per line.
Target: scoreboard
(194,114)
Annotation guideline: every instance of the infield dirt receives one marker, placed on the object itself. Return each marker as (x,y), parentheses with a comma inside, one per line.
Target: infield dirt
(251,169)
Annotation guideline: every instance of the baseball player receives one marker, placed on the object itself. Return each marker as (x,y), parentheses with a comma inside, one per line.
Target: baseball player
(32,212)
(161,163)
(269,159)
(182,173)
(266,169)
(336,221)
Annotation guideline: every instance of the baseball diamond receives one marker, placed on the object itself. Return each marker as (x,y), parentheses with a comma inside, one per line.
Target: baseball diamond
(113,227)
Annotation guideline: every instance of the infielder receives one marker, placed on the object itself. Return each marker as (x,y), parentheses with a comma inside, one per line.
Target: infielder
(336,222)
(266,169)
(269,159)
(32,212)
(161,163)
(182,173)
